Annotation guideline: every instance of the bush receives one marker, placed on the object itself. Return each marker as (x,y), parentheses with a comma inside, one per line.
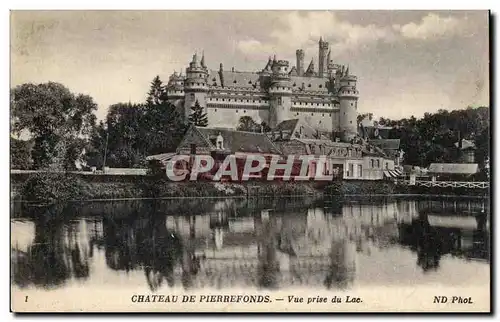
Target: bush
(51,187)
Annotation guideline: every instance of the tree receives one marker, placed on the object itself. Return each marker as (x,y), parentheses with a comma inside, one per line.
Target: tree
(198,117)
(53,116)
(162,126)
(20,154)
(123,126)
(157,94)
(433,137)
(247,123)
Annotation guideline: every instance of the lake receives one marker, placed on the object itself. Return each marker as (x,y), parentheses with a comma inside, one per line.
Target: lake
(264,243)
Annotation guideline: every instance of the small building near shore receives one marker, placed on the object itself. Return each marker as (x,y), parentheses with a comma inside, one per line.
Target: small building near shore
(453,171)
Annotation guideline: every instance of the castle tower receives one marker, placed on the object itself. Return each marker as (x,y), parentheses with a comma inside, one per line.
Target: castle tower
(280,92)
(195,85)
(300,62)
(348,97)
(175,91)
(323,58)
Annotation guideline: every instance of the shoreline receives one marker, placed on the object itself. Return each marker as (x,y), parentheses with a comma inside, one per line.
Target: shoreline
(320,194)
(47,188)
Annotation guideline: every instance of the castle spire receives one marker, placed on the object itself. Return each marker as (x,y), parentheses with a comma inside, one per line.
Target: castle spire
(347,71)
(329,58)
(320,39)
(203,59)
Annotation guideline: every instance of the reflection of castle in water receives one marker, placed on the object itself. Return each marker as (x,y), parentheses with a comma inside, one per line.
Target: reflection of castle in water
(309,247)
(233,245)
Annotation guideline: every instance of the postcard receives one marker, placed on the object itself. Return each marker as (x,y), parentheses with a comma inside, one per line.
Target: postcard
(250,161)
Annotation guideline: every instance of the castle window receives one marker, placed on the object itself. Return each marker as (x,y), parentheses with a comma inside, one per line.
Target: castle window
(234,81)
(192,95)
(320,86)
(352,104)
(236,111)
(249,82)
(378,163)
(350,122)
(323,114)
(319,122)
(297,113)
(360,170)
(213,79)
(215,110)
(309,85)
(201,75)
(312,114)
(330,114)
(223,100)
(373,163)
(244,111)
(197,84)
(294,85)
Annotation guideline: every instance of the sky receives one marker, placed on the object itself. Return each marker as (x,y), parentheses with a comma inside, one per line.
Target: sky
(407,62)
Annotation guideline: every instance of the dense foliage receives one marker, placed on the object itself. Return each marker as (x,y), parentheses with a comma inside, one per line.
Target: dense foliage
(20,154)
(133,131)
(55,119)
(433,137)
(53,187)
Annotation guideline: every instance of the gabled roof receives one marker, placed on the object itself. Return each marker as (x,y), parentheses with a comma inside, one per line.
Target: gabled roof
(233,79)
(241,141)
(287,125)
(453,168)
(293,128)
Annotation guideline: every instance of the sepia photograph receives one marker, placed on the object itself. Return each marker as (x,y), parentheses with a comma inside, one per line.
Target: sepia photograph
(250,161)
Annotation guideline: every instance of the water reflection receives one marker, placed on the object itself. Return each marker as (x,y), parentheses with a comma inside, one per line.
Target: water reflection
(269,244)
(54,256)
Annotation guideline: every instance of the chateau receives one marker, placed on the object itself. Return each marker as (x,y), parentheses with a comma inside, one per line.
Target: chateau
(325,98)
(309,112)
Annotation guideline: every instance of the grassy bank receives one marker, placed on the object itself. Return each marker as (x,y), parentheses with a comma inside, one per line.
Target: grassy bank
(60,187)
